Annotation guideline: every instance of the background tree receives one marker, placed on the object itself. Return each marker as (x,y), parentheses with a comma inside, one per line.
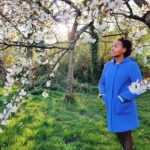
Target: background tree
(35,24)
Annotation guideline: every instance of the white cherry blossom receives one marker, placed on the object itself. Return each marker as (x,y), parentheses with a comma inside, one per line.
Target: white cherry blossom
(45,94)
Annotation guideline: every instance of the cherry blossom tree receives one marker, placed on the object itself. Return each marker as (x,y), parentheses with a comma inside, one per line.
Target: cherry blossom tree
(51,29)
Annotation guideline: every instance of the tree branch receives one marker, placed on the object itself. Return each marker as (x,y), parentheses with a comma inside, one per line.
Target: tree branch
(21,44)
(145,18)
(44,82)
(129,7)
(7,19)
(135,17)
(73,6)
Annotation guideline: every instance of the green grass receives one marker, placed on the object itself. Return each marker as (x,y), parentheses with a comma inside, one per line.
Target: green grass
(50,124)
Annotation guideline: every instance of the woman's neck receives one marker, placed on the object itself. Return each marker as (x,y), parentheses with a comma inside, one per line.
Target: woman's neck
(118,59)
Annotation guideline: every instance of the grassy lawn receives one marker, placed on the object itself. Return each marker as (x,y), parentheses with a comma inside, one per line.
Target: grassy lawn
(50,124)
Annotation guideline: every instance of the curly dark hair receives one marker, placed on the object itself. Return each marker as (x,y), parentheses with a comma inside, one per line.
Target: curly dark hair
(126,44)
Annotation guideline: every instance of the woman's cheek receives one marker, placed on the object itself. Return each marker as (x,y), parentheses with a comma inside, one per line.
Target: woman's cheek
(119,52)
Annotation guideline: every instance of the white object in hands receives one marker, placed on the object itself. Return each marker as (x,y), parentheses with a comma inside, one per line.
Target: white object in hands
(139,87)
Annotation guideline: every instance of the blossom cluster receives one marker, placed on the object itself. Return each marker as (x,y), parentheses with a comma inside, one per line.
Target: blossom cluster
(139,87)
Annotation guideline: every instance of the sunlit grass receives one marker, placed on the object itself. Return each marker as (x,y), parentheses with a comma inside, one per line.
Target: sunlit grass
(51,124)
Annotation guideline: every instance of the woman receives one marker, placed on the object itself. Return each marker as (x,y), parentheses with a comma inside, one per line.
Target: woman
(117,75)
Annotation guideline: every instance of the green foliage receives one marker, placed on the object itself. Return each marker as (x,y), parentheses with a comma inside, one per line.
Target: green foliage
(83,65)
(94,47)
(144,67)
(9,98)
(36,91)
(85,87)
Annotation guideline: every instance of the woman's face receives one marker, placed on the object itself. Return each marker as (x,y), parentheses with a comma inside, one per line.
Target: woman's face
(117,49)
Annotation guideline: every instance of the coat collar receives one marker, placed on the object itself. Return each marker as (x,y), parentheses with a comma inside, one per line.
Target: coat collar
(126,59)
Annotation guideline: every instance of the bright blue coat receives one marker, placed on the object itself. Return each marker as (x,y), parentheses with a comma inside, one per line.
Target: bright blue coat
(114,81)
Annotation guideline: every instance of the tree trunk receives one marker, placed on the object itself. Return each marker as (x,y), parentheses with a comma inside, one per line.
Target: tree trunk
(69,96)
(2,72)
(30,54)
(94,47)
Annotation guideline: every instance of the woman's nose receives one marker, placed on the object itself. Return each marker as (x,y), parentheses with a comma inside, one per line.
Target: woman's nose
(112,49)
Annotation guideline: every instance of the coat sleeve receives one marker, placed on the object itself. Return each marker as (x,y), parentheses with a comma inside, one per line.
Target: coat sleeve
(134,75)
(101,84)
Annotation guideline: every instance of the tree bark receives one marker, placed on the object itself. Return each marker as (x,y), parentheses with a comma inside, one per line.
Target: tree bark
(2,71)
(69,96)
(73,37)
(30,54)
